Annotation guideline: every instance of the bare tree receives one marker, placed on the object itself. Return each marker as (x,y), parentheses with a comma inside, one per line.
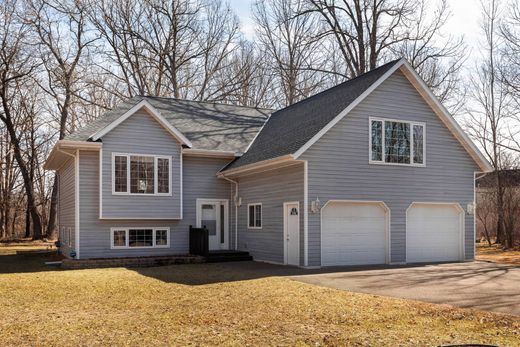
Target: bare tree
(490,107)
(16,66)
(288,35)
(63,43)
(369,32)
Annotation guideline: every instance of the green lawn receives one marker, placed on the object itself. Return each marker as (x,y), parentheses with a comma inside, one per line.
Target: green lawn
(206,305)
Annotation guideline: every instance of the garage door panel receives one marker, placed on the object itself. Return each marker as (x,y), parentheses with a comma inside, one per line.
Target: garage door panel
(353,234)
(433,233)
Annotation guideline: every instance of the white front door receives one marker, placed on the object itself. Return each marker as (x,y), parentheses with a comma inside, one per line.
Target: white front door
(292,232)
(213,214)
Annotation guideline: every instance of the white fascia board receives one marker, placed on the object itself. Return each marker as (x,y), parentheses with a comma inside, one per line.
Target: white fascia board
(446,117)
(343,113)
(154,113)
(209,153)
(430,98)
(70,145)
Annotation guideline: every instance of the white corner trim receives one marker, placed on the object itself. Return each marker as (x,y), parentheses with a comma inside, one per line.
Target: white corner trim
(154,113)
(349,108)
(306,213)
(181,182)
(100,183)
(77,210)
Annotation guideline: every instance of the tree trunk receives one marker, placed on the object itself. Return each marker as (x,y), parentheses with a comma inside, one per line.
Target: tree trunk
(27,222)
(51,226)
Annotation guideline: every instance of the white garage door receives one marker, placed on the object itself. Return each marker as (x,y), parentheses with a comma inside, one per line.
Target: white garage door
(353,234)
(433,233)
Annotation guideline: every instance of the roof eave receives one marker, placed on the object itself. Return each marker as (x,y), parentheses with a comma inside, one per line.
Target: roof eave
(154,113)
(263,165)
(59,156)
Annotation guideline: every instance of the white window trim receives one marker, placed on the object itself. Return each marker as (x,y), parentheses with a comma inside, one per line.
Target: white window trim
(261,215)
(382,162)
(128,155)
(127,231)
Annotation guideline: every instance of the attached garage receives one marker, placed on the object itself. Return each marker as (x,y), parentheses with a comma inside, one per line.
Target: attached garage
(434,232)
(354,233)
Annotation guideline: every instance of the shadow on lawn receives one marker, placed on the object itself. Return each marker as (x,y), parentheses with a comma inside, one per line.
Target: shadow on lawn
(201,274)
(10,262)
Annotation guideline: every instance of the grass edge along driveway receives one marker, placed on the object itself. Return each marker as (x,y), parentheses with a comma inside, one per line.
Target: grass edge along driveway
(207,305)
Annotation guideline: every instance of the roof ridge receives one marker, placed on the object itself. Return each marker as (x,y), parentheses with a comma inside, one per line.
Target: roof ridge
(202,102)
(337,86)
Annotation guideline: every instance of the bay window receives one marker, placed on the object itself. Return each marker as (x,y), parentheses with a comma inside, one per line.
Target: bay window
(396,142)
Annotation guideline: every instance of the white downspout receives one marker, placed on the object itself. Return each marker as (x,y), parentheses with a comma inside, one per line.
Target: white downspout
(236,208)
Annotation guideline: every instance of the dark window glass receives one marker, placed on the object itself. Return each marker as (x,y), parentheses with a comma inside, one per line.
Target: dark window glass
(120,172)
(141,174)
(163,175)
(119,238)
(258,216)
(418,144)
(377,140)
(161,237)
(140,237)
(397,142)
(251,216)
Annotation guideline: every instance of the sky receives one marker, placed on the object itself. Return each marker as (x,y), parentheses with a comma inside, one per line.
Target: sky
(465,18)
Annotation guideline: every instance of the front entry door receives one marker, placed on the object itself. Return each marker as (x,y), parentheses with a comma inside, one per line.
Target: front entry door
(213,214)
(292,233)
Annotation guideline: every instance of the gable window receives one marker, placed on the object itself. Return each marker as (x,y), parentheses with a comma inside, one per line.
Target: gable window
(139,237)
(141,174)
(396,142)
(254,216)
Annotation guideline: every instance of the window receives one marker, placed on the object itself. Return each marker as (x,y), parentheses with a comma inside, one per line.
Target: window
(119,238)
(140,237)
(396,142)
(254,216)
(141,174)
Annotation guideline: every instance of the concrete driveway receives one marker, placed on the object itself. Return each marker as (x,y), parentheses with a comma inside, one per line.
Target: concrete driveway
(476,285)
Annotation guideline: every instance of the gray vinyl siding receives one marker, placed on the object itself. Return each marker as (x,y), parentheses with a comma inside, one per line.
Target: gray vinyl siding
(338,166)
(141,134)
(271,189)
(199,182)
(66,207)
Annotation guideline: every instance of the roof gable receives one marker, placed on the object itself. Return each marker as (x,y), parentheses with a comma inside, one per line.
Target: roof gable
(288,129)
(208,126)
(296,128)
(153,112)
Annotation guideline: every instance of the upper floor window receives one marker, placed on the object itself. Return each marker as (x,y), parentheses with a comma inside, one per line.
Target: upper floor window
(396,142)
(141,174)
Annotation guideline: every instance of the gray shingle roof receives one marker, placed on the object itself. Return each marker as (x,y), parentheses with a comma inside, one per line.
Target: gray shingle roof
(290,128)
(207,125)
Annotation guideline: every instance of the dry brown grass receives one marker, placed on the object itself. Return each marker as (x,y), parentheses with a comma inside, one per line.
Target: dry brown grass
(203,305)
(496,254)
